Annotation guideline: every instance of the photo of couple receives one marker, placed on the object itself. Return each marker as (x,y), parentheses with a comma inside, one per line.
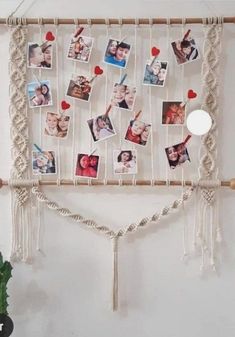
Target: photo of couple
(56,125)
(123,96)
(173,112)
(117,53)
(43,162)
(39,94)
(39,56)
(79,87)
(155,73)
(138,132)
(80,48)
(87,166)
(101,128)
(177,155)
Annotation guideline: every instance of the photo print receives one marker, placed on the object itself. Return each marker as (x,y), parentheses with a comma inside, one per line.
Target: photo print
(43,162)
(123,96)
(80,48)
(155,73)
(117,53)
(79,87)
(39,94)
(101,128)
(173,112)
(56,125)
(39,55)
(87,166)
(185,50)
(177,155)
(125,161)
(138,132)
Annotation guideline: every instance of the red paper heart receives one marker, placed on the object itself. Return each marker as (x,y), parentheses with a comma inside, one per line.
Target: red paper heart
(191,94)
(65,105)
(155,51)
(50,36)
(98,70)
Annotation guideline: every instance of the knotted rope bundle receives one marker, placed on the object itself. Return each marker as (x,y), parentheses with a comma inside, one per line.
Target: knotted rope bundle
(208,230)
(21,238)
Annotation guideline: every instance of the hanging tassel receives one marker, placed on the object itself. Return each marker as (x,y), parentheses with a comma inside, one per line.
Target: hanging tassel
(115,272)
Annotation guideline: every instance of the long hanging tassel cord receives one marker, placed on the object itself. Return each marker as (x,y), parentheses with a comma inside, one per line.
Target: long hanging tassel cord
(115,273)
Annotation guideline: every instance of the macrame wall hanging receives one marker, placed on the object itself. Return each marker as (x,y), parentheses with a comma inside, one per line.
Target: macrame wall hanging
(25,236)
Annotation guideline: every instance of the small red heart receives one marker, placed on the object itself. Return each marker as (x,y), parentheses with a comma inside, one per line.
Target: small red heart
(191,94)
(155,51)
(98,70)
(65,105)
(50,36)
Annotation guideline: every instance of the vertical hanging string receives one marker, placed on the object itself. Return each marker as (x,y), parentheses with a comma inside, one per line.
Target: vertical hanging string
(150,107)
(57,99)
(90,107)
(39,205)
(119,110)
(185,225)
(115,272)
(167,96)
(105,106)
(73,177)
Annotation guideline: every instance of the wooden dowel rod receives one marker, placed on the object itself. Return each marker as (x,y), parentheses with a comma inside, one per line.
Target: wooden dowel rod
(125,21)
(226,183)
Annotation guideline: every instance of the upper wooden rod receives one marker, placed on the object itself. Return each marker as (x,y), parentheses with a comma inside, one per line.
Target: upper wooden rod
(111,21)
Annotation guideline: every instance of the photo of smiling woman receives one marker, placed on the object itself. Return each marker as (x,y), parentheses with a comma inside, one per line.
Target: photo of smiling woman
(39,56)
(177,155)
(125,161)
(123,96)
(87,166)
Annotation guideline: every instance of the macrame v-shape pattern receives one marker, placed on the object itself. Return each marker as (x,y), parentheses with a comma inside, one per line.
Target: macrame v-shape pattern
(65,212)
(208,231)
(21,247)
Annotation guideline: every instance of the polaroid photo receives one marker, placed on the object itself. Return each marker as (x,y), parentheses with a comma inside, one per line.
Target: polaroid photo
(138,132)
(177,155)
(80,48)
(173,112)
(125,161)
(87,166)
(123,96)
(40,55)
(117,53)
(43,162)
(39,94)
(79,87)
(101,127)
(56,125)
(155,73)
(185,50)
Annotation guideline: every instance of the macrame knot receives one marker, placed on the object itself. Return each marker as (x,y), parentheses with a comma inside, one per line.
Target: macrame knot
(208,195)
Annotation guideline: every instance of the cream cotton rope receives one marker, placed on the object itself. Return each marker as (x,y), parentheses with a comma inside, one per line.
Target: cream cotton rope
(21,233)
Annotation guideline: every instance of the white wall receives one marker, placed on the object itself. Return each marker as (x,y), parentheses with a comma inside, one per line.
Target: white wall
(67,291)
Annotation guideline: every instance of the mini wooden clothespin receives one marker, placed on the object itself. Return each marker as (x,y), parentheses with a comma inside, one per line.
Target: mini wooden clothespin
(155,52)
(108,110)
(78,31)
(97,71)
(123,79)
(137,115)
(186,139)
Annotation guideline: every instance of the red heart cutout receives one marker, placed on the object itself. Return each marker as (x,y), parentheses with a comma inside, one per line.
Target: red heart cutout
(191,94)
(50,36)
(65,105)
(98,70)
(155,51)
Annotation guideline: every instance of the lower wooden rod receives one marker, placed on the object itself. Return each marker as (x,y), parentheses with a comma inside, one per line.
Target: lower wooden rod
(93,182)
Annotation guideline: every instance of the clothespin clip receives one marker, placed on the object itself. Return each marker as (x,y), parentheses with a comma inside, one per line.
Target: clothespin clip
(137,115)
(155,52)
(37,80)
(78,31)
(38,148)
(186,35)
(92,152)
(191,95)
(49,36)
(186,140)
(108,110)
(123,79)
(64,106)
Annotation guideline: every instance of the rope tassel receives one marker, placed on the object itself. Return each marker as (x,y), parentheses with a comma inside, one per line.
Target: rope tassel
(115,273)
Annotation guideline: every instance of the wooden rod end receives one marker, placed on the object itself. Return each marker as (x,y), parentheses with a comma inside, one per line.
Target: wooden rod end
(232,184)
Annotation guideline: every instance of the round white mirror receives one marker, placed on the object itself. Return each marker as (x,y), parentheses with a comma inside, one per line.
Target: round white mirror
(199,122)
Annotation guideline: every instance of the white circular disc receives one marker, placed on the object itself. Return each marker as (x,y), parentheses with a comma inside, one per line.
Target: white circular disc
(199,122)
